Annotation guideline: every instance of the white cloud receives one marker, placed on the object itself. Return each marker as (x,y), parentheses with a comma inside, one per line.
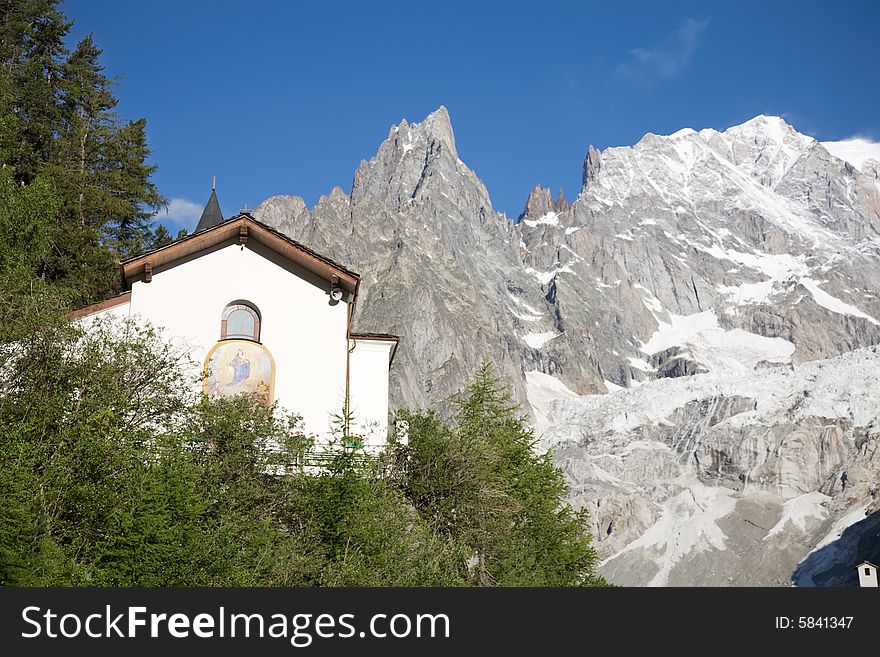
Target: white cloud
(668,58)
(181,212)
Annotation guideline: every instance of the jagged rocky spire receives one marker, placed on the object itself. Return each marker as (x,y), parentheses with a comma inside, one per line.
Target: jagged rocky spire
(541,202)
(211,215)
(592,164)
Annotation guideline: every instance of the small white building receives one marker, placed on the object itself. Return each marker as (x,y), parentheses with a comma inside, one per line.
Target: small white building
(263,314)
(867,574)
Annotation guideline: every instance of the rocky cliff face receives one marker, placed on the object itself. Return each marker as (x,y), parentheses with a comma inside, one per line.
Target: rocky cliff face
(440,266)
(727,257)
(708,480)
(708,251)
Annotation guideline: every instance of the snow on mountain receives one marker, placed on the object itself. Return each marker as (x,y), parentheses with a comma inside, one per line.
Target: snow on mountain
(765,147)
(542,389)
(856,151)
(538,340)
(738,168)
(685,464)
(799,510)
(718,350)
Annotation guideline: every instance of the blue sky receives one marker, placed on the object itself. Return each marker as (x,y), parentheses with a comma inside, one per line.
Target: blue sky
(288,97)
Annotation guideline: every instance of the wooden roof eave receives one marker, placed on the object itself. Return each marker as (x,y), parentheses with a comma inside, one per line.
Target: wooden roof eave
(243,228)
(91,309)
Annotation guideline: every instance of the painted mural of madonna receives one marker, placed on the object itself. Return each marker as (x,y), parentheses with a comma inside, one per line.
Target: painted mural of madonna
(235,367)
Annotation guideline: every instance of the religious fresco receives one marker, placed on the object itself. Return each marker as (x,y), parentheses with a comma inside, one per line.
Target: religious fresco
(235,367)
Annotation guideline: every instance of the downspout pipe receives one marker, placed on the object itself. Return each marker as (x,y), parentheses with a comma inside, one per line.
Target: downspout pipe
(346,419)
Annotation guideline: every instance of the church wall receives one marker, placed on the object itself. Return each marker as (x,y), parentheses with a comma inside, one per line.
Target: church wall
(304,333)
(369,390)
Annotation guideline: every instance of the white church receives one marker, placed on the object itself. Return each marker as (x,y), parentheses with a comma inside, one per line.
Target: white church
(263,315)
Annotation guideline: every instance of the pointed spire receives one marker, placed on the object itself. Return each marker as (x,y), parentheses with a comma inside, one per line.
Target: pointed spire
(211,215)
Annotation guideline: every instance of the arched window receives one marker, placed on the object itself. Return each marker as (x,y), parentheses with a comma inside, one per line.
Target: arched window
(240,320)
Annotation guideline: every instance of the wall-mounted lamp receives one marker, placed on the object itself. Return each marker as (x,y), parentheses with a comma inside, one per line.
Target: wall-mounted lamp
(335,291)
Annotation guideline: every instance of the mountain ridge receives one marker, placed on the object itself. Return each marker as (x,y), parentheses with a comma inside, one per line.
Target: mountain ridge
(417,170)
(707,253)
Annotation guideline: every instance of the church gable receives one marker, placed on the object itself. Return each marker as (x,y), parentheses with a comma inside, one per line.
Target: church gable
(208,296)
(242,230)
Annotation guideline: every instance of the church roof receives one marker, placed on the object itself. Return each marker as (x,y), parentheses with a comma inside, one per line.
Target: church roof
(241,229)
(374,336)
(211,215)
(118,300)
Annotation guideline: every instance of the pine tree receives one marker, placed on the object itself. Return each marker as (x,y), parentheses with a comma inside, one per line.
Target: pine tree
(59,122)
(161,238)
(483,486)
(31,55)
(135,198)
(88,123)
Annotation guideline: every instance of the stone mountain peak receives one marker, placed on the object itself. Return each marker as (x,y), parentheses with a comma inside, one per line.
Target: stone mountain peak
(735,256)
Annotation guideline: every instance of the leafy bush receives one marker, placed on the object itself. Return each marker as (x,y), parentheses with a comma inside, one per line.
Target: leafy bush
(114,472)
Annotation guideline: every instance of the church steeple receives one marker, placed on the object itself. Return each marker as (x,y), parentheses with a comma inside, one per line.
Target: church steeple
(211,215)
